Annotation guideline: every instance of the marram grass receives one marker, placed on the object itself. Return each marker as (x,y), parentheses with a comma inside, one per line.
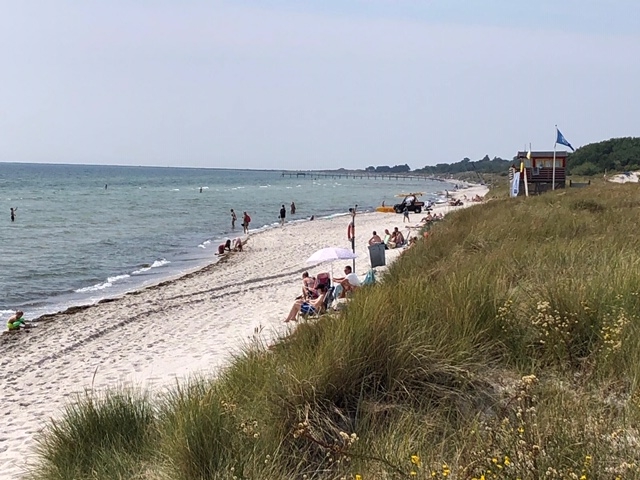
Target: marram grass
(506,345)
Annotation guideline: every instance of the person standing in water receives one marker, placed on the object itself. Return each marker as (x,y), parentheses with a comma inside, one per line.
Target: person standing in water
(13,213)
(293,208)
(246,219)
(233,219)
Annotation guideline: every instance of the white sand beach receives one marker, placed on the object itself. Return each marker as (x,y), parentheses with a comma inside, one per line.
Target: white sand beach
(178,328)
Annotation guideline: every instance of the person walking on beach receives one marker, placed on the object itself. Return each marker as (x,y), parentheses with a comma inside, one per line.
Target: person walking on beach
(283,214)
(246,219)
(234,217)
(405,214)
(293,208)
(13,213)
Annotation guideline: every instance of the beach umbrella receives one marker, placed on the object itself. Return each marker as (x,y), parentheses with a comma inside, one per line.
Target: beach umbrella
(330,254)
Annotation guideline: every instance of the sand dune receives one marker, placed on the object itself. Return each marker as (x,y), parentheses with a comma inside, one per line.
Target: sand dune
(180,327)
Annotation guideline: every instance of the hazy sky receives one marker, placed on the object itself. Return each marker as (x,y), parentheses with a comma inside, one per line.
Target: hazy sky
(312,84)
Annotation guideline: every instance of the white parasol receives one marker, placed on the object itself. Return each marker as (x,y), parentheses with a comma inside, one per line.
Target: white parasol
(330,254)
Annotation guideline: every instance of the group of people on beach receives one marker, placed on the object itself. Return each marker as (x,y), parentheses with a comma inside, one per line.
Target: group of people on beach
(315,290)
(283,213)
(246,220)
(393,239)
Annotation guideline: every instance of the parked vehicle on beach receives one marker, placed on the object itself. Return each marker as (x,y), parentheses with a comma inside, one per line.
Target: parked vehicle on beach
(411,202)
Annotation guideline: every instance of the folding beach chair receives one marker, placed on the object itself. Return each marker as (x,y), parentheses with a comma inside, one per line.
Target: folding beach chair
(307,311)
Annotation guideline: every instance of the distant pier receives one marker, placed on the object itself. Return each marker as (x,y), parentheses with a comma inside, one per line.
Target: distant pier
(361,174)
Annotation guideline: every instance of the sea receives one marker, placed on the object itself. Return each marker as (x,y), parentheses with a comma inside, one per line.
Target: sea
(83,233)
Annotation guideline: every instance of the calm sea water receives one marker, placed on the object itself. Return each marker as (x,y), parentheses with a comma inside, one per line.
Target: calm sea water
(74,242)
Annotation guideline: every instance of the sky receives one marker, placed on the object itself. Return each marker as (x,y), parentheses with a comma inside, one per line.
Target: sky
(294,84)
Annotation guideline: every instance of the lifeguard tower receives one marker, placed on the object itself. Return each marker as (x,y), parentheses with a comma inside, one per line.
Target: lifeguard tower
(540,171)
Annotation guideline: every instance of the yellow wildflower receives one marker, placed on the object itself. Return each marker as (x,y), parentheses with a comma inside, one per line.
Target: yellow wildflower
(415,459)
(358,477)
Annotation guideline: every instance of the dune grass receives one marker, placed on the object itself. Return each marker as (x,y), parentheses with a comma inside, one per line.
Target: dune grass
(506,345)
(100,436)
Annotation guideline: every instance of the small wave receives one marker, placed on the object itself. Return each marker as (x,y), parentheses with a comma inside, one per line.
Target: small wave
(265,186)
(175,189)
(94,288)
(101,286)
(117,277)
(156,264)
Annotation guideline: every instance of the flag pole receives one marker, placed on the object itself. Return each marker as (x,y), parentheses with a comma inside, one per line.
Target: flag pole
(353,238)
(526,182)
(553,170)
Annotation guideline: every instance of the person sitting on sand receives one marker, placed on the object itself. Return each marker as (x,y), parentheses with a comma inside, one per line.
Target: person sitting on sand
(237,245)
(312,306)
(375,239)
(16,321)
(349,282)
(388,243)
(428,218)
(397,237)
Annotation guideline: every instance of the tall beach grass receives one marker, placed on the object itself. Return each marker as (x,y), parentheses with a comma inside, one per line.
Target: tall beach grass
(504,345)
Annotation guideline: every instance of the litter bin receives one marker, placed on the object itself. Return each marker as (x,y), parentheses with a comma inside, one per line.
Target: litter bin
(376,255)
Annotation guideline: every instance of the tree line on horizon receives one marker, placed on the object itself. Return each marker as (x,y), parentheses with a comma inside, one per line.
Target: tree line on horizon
(616,154)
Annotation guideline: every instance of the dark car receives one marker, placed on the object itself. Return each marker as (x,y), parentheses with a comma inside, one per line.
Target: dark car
(411,202)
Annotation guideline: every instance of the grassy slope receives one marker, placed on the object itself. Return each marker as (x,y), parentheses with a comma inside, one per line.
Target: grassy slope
(506,345)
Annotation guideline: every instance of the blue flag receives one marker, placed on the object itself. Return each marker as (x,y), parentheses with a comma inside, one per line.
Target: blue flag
(563,141)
